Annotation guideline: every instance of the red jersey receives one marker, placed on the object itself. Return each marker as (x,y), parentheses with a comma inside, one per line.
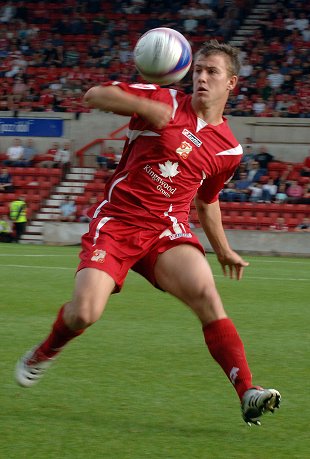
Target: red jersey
(161,170)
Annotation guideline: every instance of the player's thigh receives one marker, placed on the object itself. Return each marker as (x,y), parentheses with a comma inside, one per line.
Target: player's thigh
(184,272)
(93,288)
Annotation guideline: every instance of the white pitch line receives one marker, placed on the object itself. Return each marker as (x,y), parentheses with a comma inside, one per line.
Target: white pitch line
(35,267)
(293,279)
(283,262)
(289,262)
(270,278)
(34,255)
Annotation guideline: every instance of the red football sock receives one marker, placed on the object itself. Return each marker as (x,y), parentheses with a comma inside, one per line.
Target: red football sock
(226,348)
(58,337)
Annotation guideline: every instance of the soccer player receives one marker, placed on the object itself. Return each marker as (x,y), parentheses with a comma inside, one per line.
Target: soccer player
(179,147)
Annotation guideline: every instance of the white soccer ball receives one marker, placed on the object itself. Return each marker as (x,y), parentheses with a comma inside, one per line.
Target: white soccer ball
(162,56)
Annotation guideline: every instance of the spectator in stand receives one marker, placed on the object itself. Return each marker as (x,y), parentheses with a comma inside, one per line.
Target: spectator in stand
(102,161)
(263,158)
(190,24)
(288,86)
(269,111)
(48,54)
(228,193)
(269,191)
(248,141)
(240,169)
(283,103)
(107,159)
(84,216)
(256,192)
(14,153)
(275,79)
(29,153)
(246,68)
(305,171)
(6,182)
(59,56)
(6,229)
(303,226)
(7,12)
(279,225)
(255,172)
(294,192)
(111,157)
(63,159)
(18,216)
(242,190)
(306,34)
(243,108)
(281,196)
(49,160)
(19,89)
(290,20)
(67,210)
(17,64)
(295,108)
(305,199)
(259,106)
(72,56)
(302,22)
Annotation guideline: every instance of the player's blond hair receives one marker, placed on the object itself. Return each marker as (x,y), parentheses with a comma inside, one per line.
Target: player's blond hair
(232,53)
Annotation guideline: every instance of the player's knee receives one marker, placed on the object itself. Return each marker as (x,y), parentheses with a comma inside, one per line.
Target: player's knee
(207,295)
(82,315)
(207,304)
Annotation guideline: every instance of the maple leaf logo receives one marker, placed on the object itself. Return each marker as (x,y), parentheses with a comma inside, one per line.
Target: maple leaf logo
(169,169)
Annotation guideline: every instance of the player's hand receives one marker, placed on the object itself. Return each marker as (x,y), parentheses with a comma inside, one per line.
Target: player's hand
(234,264)
(157,113)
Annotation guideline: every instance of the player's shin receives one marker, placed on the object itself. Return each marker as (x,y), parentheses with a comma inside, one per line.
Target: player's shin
(227,349)
(59,336)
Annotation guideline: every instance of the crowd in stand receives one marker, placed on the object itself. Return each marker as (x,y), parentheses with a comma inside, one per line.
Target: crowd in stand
(255,181)
(275,72)
(20,154)
(52,52)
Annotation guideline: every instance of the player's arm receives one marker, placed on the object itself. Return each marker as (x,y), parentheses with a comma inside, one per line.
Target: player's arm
(114,99)
(211,222)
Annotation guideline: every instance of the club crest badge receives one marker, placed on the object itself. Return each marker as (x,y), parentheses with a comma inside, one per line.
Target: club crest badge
(184,150)
(99,255)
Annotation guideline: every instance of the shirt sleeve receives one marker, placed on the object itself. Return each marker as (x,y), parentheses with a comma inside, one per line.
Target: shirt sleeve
(211,186)
(147,90)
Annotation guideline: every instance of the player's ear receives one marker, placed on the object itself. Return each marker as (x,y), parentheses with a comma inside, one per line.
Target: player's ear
(232,82)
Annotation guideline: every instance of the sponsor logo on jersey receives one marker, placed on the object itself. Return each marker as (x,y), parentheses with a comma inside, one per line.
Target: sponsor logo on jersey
(192,137)
(99,255)
(184,149)
(233,374)
(178,235)
(168,170)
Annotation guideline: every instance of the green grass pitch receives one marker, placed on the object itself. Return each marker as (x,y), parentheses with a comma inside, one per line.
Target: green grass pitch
(140,383)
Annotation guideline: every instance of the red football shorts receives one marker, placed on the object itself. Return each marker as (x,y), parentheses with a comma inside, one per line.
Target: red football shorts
(115,247)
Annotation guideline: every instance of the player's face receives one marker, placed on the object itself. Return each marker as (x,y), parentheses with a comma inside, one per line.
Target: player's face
(211,80)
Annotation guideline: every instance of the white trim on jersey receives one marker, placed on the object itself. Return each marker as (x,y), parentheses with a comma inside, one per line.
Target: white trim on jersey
(200,124)
(99,208)
(102,222)
(173,93)
(115,183)
(133,135)
(175,224)
(231,152)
